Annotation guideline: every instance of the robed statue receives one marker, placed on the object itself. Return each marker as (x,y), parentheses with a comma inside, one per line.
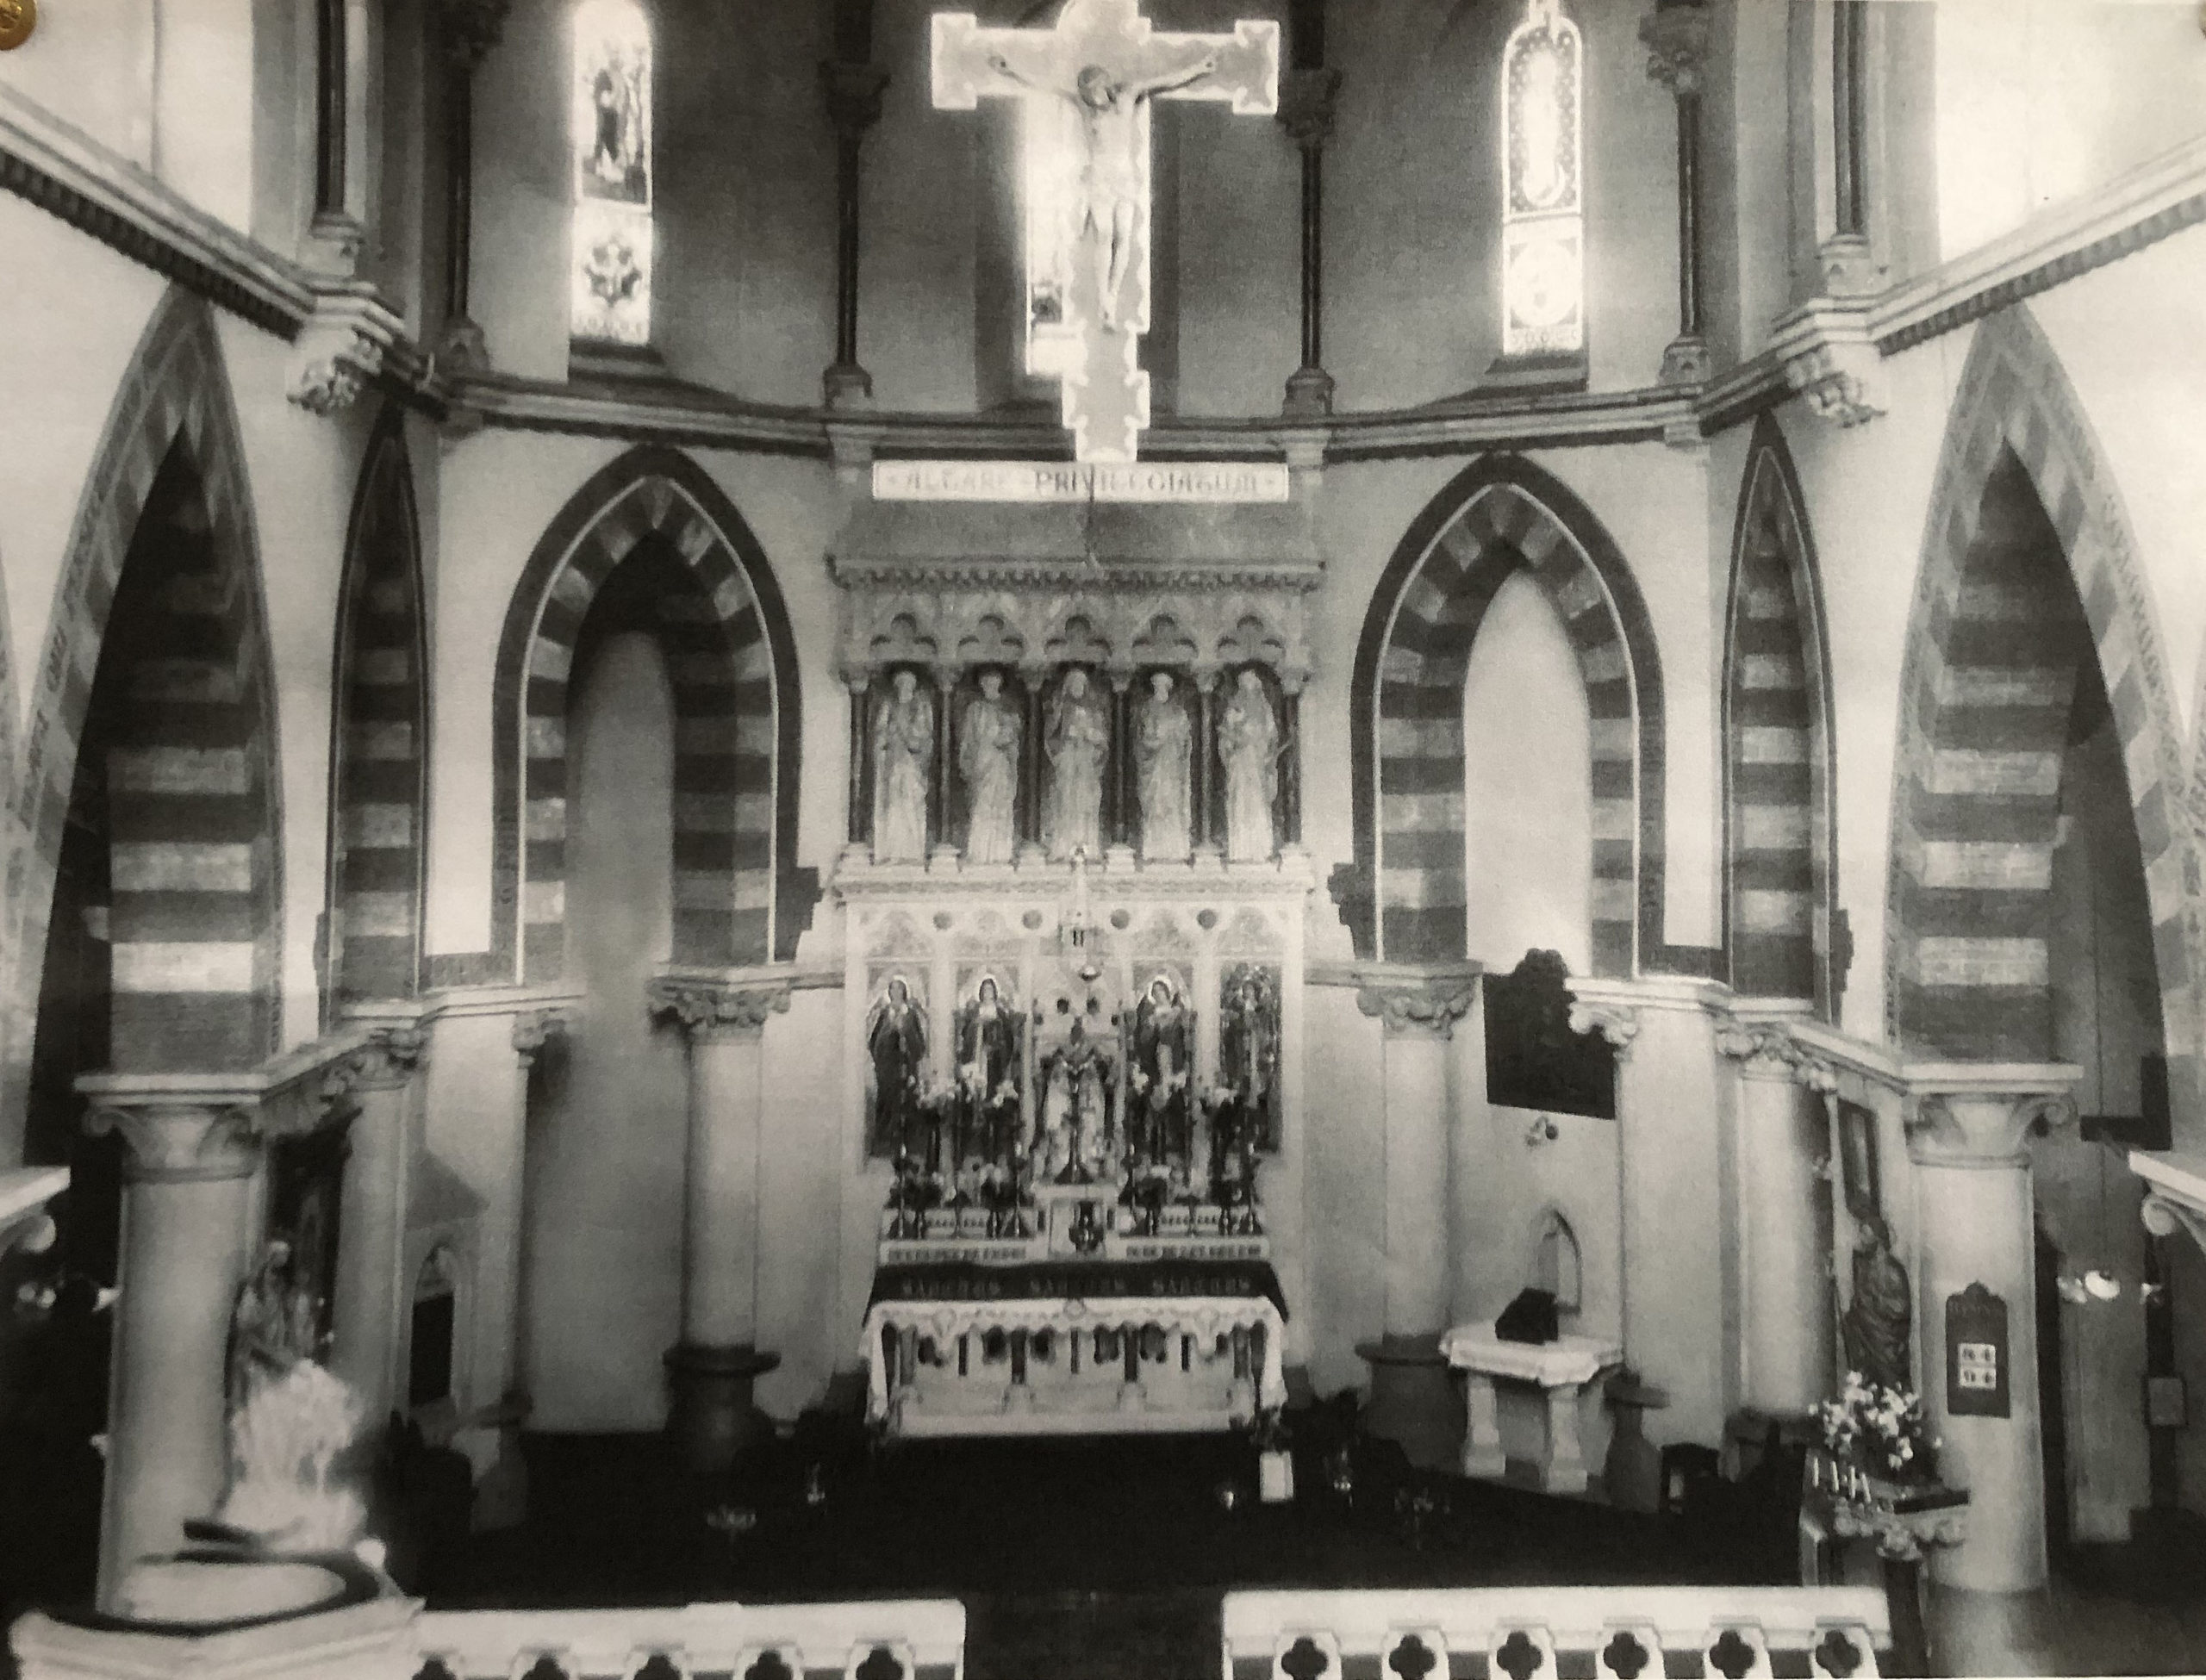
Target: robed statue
(1249,1048)
(1878,1317)
(903,748)
(987,757)
(896,1040)
(1163,1037)
(290,1419)
(988,1069)
(1248,741)
(1079,738)
(1163,748)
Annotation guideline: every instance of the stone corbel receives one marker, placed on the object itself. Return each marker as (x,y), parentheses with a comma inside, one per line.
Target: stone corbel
(2164,1216)
(339,348)
(25,1225)
(1619,1024)
(1676,39)
(1410,1004)
(533,1030)
(1830,357)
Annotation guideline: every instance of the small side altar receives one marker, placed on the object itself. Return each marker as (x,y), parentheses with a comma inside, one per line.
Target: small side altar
(1560,1369)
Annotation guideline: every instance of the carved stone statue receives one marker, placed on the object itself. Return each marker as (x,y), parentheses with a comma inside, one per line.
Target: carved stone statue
(1248,1048)
(1247,740)
(987,755)
(896,1039)
(1079,738)
(903,748)
(987,1064)
(1878,1317)
(1163,747)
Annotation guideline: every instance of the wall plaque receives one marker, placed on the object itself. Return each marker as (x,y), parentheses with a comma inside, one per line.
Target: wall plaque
(1976,1354)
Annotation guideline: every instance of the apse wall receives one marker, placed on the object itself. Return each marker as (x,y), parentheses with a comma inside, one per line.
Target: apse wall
(744,207)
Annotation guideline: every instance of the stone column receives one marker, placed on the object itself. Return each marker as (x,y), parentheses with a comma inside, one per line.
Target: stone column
(1676,38)
(472,28)
(1290,764)
(372,1225)
(1412,1399)
(1968,1129)
(1030,763)
(858,835)
(187,1200)
(853,89)
(1780,1137)
(1305,111)
(1205,836)
(334,236)
(713,1420)
(940,846)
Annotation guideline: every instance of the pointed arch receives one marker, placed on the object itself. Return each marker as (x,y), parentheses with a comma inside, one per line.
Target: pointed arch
(733,655)
(1983,716)
(1778,773)
(379,733)
(191,776)
(1406,900)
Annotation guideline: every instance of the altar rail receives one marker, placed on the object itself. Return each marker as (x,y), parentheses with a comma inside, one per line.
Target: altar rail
(889,1639)
(1542,1632)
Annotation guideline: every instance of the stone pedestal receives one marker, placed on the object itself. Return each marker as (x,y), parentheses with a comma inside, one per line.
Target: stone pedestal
(1779,1134)
(1968,1131)
(714,1418)
(1412,1399)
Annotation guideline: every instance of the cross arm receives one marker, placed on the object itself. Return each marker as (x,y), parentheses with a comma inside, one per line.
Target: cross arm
(1243,67)
(970,61)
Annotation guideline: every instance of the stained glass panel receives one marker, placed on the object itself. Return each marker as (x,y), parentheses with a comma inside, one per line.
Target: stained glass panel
(610,285)
(1543,248)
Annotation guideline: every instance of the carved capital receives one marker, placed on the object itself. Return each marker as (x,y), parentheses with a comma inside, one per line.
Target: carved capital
(178,1143)
(1830,358)
(1767,1050)
(1306,100)
(2164,1216)
(853,93)
(1981,1127)
(339,348)
(1616,1023)
(389,1058)
(535,1028)
(1418,1008)
(471,29)
(1676,39)
(716,1008)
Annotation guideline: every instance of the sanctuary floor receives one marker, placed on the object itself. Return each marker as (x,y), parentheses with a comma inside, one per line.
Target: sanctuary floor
(1107,1558)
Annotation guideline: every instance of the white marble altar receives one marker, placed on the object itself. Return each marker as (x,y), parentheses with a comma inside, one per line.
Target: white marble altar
(1560,1369)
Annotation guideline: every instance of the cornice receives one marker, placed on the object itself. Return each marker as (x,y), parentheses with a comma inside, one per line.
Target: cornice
(1119,576)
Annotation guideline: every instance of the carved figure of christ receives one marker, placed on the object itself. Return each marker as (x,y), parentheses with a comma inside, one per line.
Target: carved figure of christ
(1103,66)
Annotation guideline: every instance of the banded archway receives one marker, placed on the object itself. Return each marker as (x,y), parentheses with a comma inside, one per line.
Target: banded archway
(1777,771)
(2028,571)
(733,658)
(1502,515)
(379,732)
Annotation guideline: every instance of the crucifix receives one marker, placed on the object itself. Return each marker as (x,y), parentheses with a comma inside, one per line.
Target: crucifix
(1086,87)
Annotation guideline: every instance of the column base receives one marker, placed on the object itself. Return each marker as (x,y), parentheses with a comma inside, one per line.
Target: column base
(845,386)
(713,1421)
(1309,395)
(1685,361)
(1413,1400)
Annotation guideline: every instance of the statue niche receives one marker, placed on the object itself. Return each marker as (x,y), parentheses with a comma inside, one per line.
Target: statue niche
(990,733)
(1163,755)
(903,753)
(990,1137)
(1160,1105)
(1250,746)
(1249,1048)
(1077,741)
(896,1049)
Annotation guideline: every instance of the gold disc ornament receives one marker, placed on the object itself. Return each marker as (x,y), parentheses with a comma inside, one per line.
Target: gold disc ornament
(18,19)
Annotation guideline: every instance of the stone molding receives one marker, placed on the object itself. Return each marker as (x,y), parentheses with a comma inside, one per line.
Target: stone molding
(1982,1115)
(387,1060)
(1619,1024)
(731,1004)
(340,347)
(25,1225)
(1411,1001)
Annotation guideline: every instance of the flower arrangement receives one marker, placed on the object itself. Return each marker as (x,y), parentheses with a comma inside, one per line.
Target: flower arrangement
(1882,1430)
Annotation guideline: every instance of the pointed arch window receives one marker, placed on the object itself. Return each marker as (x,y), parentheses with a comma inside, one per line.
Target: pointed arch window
(1542,223)
(610,274)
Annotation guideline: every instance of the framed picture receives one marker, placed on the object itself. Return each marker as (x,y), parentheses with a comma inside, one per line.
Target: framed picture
(1857,1159)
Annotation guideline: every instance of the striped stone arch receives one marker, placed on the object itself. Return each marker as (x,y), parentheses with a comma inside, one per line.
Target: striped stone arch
(178,645)
(1500,515)
(2028,569)
(733,659)
(379,734)
(1777,771)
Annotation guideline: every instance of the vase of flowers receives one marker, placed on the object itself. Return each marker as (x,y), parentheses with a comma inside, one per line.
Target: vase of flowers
(1879,1432)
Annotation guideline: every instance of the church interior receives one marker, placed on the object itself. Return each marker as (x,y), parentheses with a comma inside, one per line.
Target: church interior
(1351,836)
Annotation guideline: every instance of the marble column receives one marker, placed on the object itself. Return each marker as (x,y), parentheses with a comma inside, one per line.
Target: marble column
(1029,764)
(187,1200)
(941,847)
(1207,838)
(1968,1131)
(334,237)
(1412,1397)
(1305,111)
(858,832)
(853,89)
(713,1420)
(372,1224)
(1675,35)
(1779,1137)
(472,28)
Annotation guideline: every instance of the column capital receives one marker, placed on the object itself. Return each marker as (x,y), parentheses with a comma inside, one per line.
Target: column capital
(471,29)
(1306,105)
(2175,1197)
(1412,1002)
(174,1142)
(1767,1050)
(1965,1115)
(853,93)
(1676,39)
(388,1059)
(533,1030)
(710,1007)
(1617,1022)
